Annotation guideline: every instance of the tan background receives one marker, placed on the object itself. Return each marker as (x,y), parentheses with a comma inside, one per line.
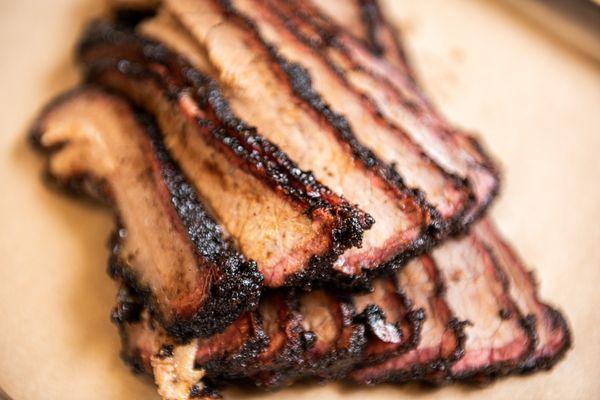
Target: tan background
(536,102)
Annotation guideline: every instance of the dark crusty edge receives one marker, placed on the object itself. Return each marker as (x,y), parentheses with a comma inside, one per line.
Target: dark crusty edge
(329,33)
(290,364)
(239,364)
(439,371)
(534,364)
(347,353)
(334,364)
(431,373)
(557,320)
(301,84)
(287,18)
(237,283)
(235,362)
(295,339)
(233,136)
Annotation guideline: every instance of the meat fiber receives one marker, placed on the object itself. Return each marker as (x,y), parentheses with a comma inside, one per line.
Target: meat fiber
(276,213)
(166,245)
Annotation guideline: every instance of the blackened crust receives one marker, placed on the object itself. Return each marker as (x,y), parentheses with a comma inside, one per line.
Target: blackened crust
(348,349)
(228,298)
(128,311)
(373,316)
(260,157)
(381,343)
(432,372)
(333,363)
(125,315)
(235,361)
(559,323)
(556,340)
(238,282)
(289,330)
(416,365)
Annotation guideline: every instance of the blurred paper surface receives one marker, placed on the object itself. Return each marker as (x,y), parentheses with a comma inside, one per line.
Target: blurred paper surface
(535,101)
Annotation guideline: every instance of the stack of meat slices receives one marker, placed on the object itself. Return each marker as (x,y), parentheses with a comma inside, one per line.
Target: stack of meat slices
(289,203)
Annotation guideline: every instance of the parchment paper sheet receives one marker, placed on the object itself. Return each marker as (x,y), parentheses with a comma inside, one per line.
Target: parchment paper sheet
(535,101)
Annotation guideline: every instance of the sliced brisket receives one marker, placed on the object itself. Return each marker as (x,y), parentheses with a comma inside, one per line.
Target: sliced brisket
(293,115)
(365,21)
(276,213)
(166,245)
(496,337)
(289,338)
(277,26)
(333,340)
(282,322)
(397,96)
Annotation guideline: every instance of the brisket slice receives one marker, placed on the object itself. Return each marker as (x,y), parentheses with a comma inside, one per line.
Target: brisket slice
(396,95)
(442,337)
(324,336)
(166,245)
(276,341)
(257,345)
(295,117)
(553,337)
(449,195)
(338,339)
(277,214)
